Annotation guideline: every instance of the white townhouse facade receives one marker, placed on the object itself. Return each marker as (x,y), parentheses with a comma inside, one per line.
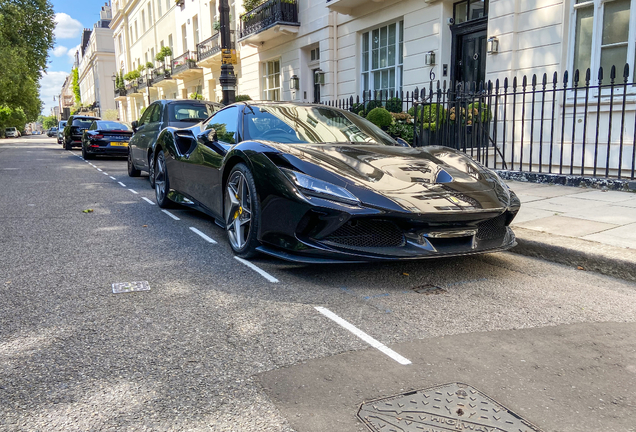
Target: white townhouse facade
(141,28)
(96,66)
(402,44)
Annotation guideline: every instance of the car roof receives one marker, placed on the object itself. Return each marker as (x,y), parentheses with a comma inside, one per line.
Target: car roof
(172,101)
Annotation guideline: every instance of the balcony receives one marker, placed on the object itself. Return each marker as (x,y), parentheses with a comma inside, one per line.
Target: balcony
(120,94)
(162,77)
(347,6)
(185,66)
(269,20)
(131,88)
(143,83)
(210,49)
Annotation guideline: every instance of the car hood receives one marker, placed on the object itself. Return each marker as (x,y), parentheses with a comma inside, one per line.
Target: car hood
(418,180)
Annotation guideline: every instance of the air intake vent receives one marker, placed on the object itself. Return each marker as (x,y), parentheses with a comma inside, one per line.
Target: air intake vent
(367,233)
(492,229)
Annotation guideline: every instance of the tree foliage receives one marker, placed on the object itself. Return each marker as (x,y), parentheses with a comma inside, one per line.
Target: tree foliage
(49,122)
(26,36)
(76,87)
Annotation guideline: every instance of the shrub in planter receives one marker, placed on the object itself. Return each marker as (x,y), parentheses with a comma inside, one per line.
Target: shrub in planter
(356,108)
(380,117)
(479,112)
(433,115)
(373,104)
(394,105)
(241,98)
(402,130)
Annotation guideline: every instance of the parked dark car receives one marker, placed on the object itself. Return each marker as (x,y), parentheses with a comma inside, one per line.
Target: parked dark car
(60,131)
(159,115)
(315,184)
(51,132)
(109,138)
(75,128)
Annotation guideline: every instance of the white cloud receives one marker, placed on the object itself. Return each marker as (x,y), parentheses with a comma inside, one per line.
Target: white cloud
(51,85)
(66,27)
(71,53)
(59,51)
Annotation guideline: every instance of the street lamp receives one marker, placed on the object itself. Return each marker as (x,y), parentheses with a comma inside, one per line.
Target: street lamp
(114,78)
(227,78)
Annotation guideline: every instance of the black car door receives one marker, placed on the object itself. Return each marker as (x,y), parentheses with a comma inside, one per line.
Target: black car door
(138,144)
(151,130)
(200,167)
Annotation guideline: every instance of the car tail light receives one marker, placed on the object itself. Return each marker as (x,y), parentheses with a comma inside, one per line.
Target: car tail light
(94,137)
(94,146)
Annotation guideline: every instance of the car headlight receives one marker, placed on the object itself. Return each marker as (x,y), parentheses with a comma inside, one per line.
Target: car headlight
(313,186)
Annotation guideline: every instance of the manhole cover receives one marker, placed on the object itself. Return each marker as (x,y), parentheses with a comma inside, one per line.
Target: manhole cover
(449,407)
(428,289)
(124,287)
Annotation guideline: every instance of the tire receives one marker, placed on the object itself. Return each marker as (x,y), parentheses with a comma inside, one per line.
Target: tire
(162,183)
(151,170)
(242,209)
(132,171)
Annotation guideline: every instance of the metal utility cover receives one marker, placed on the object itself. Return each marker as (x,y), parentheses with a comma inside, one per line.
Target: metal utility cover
(428,289)
(448,407)
(124,287)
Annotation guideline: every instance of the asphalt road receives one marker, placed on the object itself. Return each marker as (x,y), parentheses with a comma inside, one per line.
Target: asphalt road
(217,345)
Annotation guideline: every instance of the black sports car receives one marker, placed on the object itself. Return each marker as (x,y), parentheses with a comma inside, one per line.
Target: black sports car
(310,183)
(108,138)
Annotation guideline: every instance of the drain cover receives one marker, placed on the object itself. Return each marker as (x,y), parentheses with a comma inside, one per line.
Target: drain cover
(449,407)
(124,287)
(428,289)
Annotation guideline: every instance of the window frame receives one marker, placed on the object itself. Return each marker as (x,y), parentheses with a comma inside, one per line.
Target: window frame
(598,7)
(398,66)
(265,89)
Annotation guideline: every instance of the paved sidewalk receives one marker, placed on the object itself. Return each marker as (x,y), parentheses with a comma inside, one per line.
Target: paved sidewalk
(587,227)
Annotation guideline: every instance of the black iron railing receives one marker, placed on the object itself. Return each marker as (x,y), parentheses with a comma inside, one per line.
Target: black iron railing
(142,82)
(185,61)
(119,92)
(131,87)
(212,45)
(161,73)
(582,125)
(268,14)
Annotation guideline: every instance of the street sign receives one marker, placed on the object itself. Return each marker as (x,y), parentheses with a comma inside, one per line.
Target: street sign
(228,56)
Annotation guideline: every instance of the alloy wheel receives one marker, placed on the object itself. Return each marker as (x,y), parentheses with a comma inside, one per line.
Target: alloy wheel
(160,178)
(238,210)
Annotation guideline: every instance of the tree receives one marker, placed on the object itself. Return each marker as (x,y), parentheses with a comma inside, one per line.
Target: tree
(49,122)
(26,36)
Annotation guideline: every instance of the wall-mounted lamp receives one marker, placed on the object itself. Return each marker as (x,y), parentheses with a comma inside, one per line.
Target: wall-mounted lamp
(294,82)
(492,45)
(319,77)
(429,59)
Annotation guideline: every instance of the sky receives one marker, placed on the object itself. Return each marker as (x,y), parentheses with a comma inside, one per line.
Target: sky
(71,17)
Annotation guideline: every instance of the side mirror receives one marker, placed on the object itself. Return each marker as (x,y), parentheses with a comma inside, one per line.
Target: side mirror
(135,125)
(210,135)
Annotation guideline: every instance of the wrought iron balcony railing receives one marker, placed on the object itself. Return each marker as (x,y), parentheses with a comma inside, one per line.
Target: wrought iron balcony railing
(161,73)
(269,14)
(119,92)
(212,45)
(185,61)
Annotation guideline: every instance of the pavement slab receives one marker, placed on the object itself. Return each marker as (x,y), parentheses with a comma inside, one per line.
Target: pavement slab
(566,226)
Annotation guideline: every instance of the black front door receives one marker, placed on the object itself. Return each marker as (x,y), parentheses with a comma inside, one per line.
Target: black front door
(470,57)
(316,87)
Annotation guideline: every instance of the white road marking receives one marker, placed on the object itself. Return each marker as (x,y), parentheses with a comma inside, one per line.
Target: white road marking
(170,214)
(362,335)
(133,191)
(203,236)
(98,169)
(263,273)
(112,177)
(105,173)
(147,200)
(122,185)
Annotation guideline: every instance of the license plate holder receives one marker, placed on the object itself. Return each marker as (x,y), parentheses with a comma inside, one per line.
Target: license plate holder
(119,144)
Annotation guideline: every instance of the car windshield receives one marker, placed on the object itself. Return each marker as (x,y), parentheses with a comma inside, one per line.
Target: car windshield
(298,124)
(109,126)
(62,124)
(83,123)
(191,112)
(9,129)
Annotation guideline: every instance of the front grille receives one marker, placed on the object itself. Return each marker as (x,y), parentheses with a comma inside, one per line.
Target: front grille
(492,229)
(365,233)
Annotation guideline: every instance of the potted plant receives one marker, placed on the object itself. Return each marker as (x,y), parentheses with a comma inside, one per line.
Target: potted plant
(465,119)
